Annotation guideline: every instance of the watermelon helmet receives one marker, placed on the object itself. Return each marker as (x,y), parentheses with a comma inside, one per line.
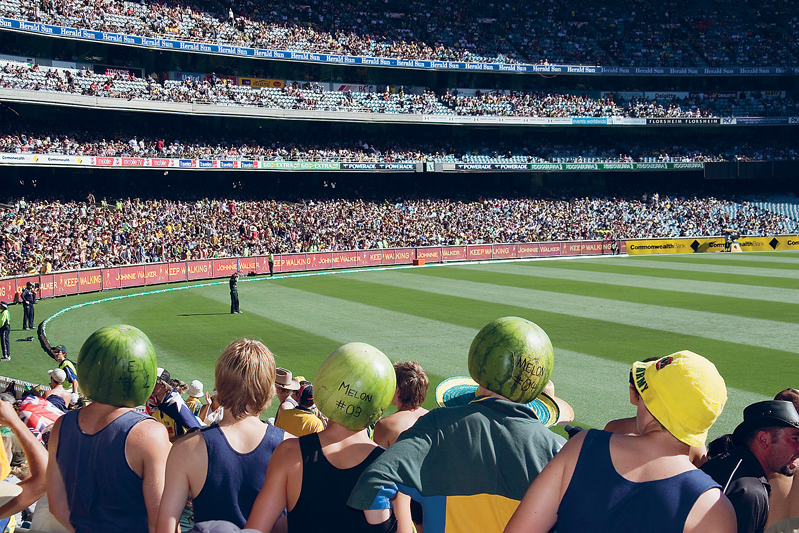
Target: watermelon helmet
(116,366)
(512,357)
(355,385)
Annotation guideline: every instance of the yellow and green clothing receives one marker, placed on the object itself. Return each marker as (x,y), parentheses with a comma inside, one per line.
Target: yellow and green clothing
(468,466)
(299,422)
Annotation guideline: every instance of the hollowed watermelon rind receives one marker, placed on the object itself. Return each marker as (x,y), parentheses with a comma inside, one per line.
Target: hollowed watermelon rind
(117,366)
(512,357)
(354,385)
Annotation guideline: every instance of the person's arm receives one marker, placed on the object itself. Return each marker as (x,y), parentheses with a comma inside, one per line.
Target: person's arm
(147,449)
(56,491)
(183,459)
(33,487)
(538,510)
(400,464)
(273,497)
(712,513)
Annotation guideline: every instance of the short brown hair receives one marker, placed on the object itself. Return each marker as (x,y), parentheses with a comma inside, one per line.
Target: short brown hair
(245,378)
(412,383)
(789,395)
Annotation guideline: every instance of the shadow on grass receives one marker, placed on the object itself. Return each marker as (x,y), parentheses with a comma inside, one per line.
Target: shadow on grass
(203,314)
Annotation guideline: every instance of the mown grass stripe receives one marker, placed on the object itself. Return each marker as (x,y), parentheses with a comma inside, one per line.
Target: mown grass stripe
(767,294)
(712,303)
(696,266)
(733,275)
(726,260)
(751,331)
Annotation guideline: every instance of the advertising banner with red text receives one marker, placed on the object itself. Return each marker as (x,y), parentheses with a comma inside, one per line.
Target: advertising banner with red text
(344,260)
(370,258)
(591,247)
(132,276)
(504,251)
(158,273)
(224,268)
(321,261)
(527,249)
(293,262)
(46,288)
(248,264)
(111,278)
(90,280)
(430,255)
(403,256)
(453,253)
(65,283)
(200,269)
(571,248)
(21,282)
(177,272)
(548,249)
(479,252)
(8,289)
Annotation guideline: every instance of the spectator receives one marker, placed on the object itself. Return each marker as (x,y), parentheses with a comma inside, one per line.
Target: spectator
(195,392)
(629,426)
(312,476)
(606,482)
(223,466)
(783,500)
(412,385)
(286,386)
(166,405)
(57,395)
(301,420)
(106,469)
(468,466)
(32,487)
(765,443)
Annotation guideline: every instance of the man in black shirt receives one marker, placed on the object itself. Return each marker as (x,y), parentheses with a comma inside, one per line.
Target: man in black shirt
(234,294)
(766,442)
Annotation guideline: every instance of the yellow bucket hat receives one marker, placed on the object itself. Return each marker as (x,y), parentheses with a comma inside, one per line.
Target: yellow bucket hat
(684,392)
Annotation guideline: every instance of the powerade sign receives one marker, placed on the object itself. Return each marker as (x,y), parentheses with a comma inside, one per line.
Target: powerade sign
(378,166)
(243,51)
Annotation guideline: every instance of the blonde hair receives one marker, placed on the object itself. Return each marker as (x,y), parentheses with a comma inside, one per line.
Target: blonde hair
(245,378)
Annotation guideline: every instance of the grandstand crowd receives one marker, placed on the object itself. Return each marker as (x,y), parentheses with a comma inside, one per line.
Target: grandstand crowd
(637,33)
(218,91)
(47,236)
(32,137)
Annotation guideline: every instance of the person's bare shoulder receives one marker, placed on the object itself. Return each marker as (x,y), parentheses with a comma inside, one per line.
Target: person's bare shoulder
(623,426)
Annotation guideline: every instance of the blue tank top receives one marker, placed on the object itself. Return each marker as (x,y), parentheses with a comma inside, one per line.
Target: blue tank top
(600,500)
(233,479)
(103,492)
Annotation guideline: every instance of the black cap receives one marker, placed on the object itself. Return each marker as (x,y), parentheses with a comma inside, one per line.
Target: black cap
(768,414)
(3,305)
(306,395)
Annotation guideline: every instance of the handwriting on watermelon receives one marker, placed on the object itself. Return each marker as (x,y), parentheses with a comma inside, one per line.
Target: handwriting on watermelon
(530,367)
(349,391)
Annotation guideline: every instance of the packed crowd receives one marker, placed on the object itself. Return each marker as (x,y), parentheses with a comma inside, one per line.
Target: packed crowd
(331,461)
(638,33)
(589,147)
(45,236)
(218,91)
